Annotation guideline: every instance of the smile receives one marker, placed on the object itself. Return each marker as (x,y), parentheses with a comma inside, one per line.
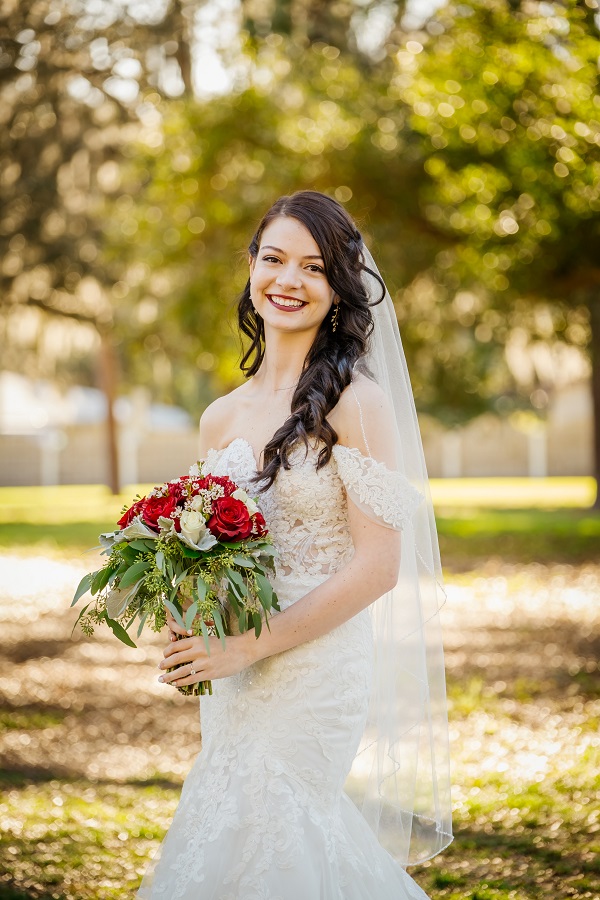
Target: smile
(282,302)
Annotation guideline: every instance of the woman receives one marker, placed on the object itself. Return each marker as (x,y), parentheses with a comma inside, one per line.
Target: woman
(324,433)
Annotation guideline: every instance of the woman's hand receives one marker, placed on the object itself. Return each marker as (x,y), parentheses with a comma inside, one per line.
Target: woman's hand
(219,663)
(174,628)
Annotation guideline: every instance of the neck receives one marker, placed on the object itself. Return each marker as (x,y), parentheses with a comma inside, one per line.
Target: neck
(283,361)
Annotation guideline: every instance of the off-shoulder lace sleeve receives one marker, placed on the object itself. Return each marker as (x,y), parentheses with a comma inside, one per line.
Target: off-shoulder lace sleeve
(385,496)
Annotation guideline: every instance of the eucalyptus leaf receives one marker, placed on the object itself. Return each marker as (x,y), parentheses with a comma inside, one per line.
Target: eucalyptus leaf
(205,635)
(265,590)
(237,581)
(257,620)
(83,611)
(202,588)
(218,620)
(142,623)
(175,613)
(191,615)
(142,545)
(243,561)
(160,562)
(101,579)
(84,586)
(118,630)
(133,573)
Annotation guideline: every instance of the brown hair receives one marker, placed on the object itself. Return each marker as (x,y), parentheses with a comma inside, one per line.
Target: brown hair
(330,361)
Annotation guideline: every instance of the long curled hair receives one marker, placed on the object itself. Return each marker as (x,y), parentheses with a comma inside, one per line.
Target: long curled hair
(330,361)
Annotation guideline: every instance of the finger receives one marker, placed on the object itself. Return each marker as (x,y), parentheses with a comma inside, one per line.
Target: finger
(178,647)
(178,659)
(182,675)
(189,679)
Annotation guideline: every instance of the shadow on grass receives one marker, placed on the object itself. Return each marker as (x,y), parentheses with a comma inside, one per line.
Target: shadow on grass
(518,536)
(22,776)
(11,891)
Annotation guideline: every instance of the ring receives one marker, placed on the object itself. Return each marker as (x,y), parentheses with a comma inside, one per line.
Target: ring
(192,670)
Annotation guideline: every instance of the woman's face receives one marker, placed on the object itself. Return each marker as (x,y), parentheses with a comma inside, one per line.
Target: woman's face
(288,286)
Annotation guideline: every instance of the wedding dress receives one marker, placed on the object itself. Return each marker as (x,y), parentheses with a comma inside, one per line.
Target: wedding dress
(263,813)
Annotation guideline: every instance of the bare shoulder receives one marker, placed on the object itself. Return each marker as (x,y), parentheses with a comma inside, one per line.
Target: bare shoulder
(363,417)
(215,420)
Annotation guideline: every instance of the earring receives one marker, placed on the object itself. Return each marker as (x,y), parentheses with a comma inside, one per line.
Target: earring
(334,318)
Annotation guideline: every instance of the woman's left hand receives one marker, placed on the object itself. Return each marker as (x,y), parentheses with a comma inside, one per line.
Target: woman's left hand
(219,663)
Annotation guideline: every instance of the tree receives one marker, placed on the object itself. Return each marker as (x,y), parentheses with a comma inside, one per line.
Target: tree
(506,99)
(69,85)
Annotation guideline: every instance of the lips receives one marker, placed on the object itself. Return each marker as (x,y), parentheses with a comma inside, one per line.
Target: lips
(284,302)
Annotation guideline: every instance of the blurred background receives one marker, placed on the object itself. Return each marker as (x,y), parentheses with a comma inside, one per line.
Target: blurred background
(140,143)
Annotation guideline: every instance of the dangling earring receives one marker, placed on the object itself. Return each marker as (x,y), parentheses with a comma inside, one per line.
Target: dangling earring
(334,318)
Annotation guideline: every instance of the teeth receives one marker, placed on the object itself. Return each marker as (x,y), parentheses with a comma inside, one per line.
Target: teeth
(284,301)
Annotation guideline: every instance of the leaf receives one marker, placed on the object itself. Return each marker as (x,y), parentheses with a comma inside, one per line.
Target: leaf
(143,545)
(189,552)
(265,590)
(101,578)
(118,630)
(129,555)
(202,588)
(133,573)
(175,613)
(243,621)
(83,611)
(243,561)
(233,601)
(142,623)
(160,562)
(84,586)
(218,620)
(118,600)
(237,582)
(256,618)
(191,615)
(205,635)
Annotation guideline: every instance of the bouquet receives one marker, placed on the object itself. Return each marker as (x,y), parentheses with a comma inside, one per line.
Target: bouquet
(197,546)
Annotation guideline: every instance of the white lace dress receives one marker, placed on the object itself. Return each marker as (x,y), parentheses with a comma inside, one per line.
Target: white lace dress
(263,814)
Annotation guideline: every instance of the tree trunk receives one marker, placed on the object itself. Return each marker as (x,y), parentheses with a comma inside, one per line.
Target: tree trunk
(108,382)
(594,307)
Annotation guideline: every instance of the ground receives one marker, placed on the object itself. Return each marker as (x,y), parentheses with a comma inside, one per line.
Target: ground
(93,750)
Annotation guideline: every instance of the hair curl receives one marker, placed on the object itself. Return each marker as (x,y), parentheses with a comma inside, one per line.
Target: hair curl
(330,361)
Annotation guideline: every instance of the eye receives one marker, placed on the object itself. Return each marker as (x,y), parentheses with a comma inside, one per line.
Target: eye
(315,268)
(270,259)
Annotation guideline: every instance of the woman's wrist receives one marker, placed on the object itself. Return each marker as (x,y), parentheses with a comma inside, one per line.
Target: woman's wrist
(250,647)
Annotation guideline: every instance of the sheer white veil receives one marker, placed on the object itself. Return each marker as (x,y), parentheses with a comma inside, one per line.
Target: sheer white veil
(400,777)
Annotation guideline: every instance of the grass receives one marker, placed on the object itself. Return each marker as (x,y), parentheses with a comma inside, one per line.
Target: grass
(93,753)
(519,519)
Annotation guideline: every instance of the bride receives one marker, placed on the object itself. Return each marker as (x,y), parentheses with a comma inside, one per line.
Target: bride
(324,767)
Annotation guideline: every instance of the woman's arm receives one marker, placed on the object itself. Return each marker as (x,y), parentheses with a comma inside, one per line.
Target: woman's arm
(371,572)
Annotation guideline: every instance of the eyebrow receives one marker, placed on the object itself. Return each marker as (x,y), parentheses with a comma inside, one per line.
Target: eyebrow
(278,250)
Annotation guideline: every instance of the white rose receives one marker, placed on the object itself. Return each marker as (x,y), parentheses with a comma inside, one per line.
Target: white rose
(243,496)
(192,525)
(196,503)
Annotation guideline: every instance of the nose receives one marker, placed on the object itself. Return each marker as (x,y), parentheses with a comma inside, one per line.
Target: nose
(289,276)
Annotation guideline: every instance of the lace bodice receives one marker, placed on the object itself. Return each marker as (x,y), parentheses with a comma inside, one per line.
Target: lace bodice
(307,511)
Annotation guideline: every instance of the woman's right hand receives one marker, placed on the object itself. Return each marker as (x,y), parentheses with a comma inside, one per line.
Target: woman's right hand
(175,629)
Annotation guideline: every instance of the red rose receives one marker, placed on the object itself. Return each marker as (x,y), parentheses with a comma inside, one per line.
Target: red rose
(131,513)
(259,526)
(155,507)
(230,520)
(180,489)
(226,483)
